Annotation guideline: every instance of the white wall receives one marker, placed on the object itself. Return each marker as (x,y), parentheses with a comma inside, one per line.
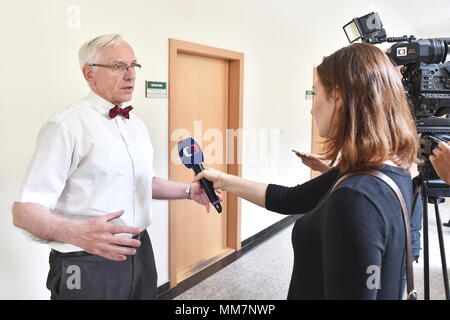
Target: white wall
(281,39)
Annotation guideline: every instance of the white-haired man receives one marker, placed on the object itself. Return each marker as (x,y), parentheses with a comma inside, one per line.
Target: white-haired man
(90,184)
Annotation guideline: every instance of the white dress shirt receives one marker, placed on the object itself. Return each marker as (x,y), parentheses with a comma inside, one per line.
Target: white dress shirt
(87,165)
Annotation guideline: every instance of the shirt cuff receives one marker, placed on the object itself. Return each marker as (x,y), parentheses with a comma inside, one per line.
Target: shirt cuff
(47,201)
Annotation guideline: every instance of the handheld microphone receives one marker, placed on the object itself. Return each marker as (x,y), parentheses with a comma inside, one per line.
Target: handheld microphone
(192,157)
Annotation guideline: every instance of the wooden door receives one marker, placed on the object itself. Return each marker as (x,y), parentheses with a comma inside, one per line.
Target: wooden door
(200,87)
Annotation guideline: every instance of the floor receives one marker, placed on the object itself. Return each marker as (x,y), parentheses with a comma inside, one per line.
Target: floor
(264,272)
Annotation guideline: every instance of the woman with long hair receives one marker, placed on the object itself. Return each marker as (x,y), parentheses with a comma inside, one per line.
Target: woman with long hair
(350,243)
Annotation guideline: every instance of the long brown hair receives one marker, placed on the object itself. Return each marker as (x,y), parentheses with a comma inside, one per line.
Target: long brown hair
(375,123)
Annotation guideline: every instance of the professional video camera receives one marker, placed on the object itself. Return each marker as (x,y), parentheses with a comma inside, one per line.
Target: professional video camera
(426,78)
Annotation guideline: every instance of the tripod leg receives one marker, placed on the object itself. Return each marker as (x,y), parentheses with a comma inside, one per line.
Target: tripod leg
(442,249)
(426,261)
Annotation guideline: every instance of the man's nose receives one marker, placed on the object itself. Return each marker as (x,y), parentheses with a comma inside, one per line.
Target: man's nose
(130,74)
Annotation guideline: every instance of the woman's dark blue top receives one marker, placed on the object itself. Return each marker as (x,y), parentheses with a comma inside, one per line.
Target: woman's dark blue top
(349,244)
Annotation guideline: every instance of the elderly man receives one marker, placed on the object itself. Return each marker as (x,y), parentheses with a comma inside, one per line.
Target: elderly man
(89,187)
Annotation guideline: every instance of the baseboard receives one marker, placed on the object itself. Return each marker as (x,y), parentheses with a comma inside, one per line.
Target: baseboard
(163,288)
(269,231)
(164,291)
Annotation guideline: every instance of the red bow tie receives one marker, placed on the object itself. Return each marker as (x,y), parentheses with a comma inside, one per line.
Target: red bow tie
(125,112)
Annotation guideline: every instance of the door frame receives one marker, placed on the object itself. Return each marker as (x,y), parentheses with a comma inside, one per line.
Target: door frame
(235,114)
(317,142)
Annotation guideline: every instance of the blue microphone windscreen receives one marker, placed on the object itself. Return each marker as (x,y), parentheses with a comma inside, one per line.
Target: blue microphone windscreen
(190,152)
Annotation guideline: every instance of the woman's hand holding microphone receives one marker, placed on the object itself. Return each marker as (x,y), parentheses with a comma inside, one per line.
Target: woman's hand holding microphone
(249,190)
(215,176)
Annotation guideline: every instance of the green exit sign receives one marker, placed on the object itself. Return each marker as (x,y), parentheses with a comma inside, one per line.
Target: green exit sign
(155,89)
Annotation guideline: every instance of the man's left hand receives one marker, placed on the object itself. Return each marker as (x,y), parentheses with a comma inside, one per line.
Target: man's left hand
(440,159)
(199,195)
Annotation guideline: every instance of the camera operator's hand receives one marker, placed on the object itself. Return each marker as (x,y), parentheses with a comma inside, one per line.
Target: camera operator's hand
(440,159)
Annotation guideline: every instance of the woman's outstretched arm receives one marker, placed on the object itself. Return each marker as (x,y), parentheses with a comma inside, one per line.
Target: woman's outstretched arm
(281,199)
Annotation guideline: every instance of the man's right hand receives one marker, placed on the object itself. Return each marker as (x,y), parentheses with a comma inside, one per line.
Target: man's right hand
(98,236)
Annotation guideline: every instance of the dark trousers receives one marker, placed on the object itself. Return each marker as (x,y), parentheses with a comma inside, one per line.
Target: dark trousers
(80,275)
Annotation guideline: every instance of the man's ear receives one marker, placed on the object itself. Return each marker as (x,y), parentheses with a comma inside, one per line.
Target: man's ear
(88,73)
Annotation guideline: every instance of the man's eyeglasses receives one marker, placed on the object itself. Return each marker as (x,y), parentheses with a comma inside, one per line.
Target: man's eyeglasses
(117,67)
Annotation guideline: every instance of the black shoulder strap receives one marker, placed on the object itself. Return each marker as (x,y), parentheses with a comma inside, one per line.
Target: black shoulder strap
(412,295)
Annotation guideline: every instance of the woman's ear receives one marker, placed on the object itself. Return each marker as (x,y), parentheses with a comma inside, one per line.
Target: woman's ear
(338,101)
